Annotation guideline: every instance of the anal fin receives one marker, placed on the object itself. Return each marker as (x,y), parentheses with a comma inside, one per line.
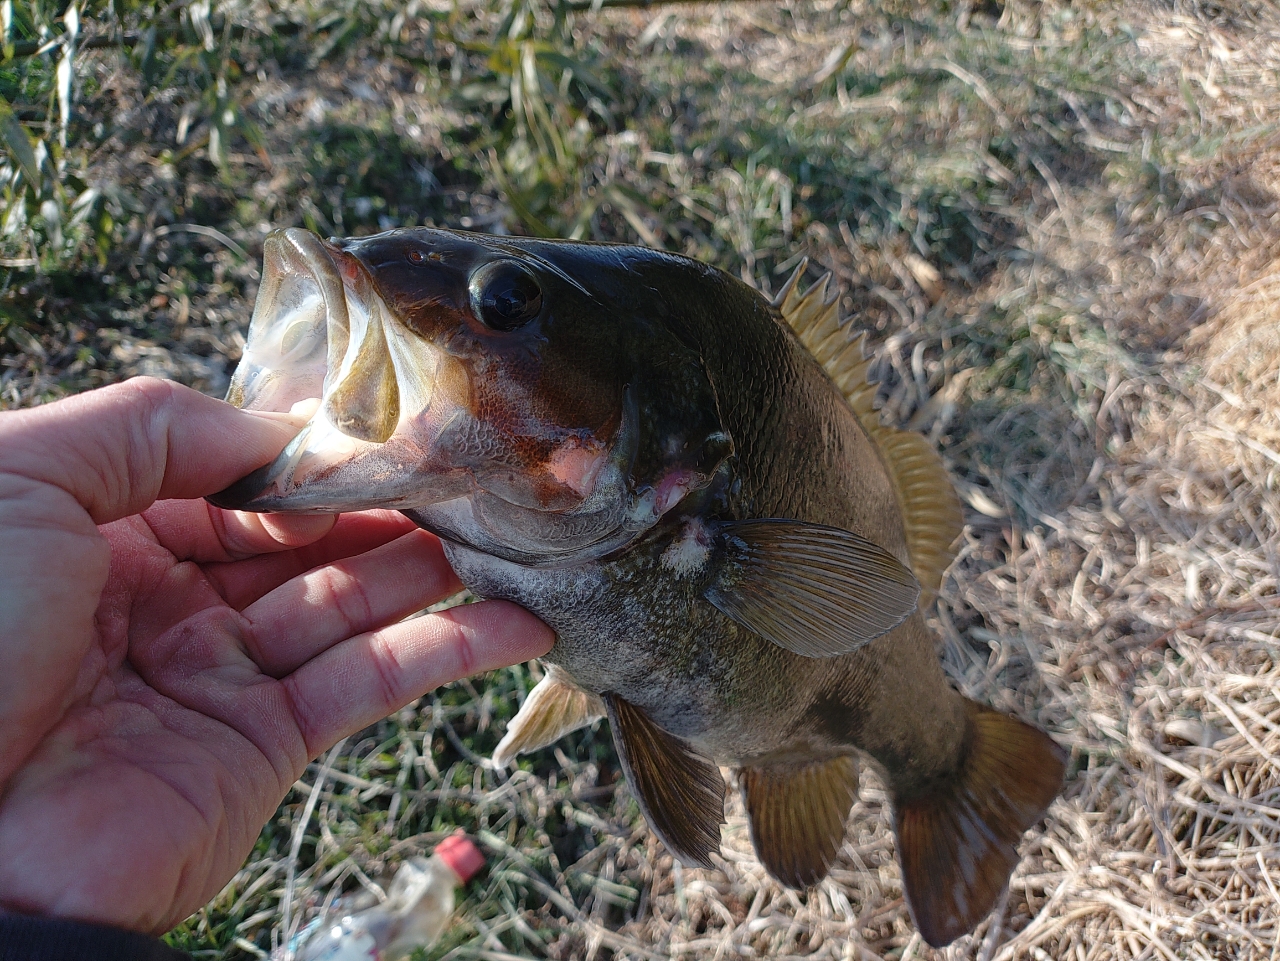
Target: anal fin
(957,840)
(680,793)
(555,707)
(797,815)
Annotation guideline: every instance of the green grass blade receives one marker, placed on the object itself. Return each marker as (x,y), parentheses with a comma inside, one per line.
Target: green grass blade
(18,141)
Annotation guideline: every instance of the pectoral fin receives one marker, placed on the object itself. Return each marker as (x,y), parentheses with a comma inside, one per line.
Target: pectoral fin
(816,591)
(554,708)
(797,815)
(681,793)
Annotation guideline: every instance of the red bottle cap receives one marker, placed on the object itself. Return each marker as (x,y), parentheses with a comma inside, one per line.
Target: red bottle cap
(462,856)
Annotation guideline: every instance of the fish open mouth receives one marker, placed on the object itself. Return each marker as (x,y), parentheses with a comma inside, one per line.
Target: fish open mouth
(323,346)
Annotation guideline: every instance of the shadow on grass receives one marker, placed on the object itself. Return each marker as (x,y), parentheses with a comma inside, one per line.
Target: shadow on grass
(359,180)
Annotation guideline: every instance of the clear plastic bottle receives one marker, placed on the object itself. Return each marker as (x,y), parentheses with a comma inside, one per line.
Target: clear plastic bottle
(418,905)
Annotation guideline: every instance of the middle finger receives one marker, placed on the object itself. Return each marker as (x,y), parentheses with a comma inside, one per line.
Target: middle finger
(314,611)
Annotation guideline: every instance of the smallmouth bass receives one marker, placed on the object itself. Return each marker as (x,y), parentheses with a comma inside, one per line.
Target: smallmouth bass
(689,484)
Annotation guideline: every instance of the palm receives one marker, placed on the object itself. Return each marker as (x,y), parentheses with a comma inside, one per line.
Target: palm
(170,674)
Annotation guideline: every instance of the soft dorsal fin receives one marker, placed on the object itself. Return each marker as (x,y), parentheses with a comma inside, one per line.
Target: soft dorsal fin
(931,513)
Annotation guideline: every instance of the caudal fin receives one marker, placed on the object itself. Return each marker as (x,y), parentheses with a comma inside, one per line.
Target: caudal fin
(957,841)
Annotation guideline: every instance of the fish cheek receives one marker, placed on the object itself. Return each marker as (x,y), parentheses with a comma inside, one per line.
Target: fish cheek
(556,417)
(510,378)
(513,453)
(582,392)
(509,429)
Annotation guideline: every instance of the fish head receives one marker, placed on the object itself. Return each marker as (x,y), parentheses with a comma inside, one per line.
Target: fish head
(518,395)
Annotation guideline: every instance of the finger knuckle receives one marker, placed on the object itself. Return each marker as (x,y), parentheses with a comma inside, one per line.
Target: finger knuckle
(306,716)
(387,670)
(344,594)
(465,651)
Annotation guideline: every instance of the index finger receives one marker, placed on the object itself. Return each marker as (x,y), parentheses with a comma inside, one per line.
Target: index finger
(242,582)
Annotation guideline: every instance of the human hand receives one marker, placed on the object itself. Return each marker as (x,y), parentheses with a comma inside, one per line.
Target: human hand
(170,667)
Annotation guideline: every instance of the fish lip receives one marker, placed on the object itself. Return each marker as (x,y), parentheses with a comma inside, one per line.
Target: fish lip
(302,302)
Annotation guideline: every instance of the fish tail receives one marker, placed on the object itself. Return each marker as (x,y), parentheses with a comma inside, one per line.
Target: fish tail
(958,835)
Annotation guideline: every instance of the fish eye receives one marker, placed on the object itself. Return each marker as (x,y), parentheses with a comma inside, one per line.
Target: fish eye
(416,256)
(504,295)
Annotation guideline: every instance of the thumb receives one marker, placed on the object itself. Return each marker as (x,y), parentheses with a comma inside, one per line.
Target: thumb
(112,451)
(118,449)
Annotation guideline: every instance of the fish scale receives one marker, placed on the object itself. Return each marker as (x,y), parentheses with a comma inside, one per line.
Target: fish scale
(690,484)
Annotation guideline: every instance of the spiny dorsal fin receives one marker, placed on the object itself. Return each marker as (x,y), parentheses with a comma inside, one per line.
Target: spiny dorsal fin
(931,513)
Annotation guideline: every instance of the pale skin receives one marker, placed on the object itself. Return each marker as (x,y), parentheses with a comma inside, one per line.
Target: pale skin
(169,668)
